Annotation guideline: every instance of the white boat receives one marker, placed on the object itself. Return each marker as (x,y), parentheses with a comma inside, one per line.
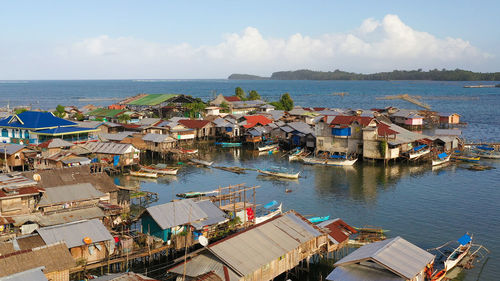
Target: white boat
(143,174)
(329,161)
(268,147)
(202,162)
(442,159)
(161,171)
(418,152)
(271,215)
(297,154)
(279,173)
(449,255)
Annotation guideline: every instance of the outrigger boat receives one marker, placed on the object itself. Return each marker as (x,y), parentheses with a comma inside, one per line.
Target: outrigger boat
(143,174)
(418,152)
(188,151)
(201,162)
(487,152)
(442,159)
(318,219)
(273,211)
(193,194)
(161,171)
(465,158)
(449,255)
(333,160)
(268,147)
(279,172)
(229,144)
(297,154)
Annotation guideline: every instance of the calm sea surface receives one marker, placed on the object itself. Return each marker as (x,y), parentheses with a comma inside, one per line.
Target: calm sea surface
(427,207)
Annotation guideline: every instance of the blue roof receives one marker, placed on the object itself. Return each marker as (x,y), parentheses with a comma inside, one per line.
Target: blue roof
(64,130)
(464,239)
(34,120)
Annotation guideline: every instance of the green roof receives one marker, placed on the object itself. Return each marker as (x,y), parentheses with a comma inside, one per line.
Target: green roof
(104,112)
(152,99)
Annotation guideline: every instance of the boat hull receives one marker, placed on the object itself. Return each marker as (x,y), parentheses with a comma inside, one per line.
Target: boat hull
(280,175)
(329,162)
(160,171)
(267,147)
(437,162)
(419,154)
(144,174)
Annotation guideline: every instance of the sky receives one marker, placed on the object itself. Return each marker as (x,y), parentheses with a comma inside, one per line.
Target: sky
(213,39)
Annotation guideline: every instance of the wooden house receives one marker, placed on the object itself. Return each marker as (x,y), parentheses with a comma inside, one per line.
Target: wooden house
(159,143)
(268,250)
(18,195)
(15,155)
(88,240)
(204,129)
(391,259)
(53,146)
(54,260)
(60,160)
(449,118)
(338,232)
(117,154)
(409,119)
(65,197)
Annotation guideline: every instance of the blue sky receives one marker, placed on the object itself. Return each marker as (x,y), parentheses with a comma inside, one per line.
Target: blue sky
(212,39)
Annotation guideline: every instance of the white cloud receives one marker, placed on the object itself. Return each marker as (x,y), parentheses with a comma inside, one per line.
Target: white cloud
(376,45)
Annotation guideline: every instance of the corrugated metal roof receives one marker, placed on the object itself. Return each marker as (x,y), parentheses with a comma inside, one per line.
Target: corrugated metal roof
(249,250)
(396,254)
(116,136)
(128,276)
(69,193)
(10,148)
(34,274)
(301,127)
(158,138)
(356,272)
(73,233)
(55,143)
(15,180)
(203,263)
(109,147)
(214,214)
(70,216)
(176,213)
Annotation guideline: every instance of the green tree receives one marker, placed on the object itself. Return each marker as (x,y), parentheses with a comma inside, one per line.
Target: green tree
(20,110)
(195,108)
(225,107)
(240,93)
(124,118)
(286,101)
(60,112)
(253,95)
(79,116)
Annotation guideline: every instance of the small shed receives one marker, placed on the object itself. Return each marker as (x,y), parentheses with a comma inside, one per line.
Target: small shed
(158,142)
(391,259)
(338,233)
(119,154)
(69,197)
(449,118)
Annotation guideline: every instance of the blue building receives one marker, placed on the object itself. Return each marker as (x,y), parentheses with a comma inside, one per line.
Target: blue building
(35,127)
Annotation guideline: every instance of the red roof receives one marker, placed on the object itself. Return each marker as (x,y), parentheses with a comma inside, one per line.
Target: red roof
(385,130)
(193,124)
(253,120)
(232,98)
(340,230)
(130,126)
(27,190)
(348,120)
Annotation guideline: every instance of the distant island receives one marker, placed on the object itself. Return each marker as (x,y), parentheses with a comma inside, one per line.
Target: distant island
(436,75)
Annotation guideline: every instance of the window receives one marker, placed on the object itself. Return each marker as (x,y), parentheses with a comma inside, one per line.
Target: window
(320,142)
(5,133)
(26,134)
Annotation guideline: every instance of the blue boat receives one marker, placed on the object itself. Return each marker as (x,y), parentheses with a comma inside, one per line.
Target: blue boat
(229,144)
(319,219)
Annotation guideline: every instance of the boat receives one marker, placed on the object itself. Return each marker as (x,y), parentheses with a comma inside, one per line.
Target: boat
(465,158)
(279,172)
(318,219)
(487,152)
(228,144)
(201,162)
(418,152)
(161,171)
(268,147)
(442,159)
(188,151)
(333,160)
(193,194)
(450,255)
(275,212)
(297,154)
(143,174)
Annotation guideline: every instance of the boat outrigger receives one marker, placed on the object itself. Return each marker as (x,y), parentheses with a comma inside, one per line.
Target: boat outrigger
(465,158)
(443,158)
(279,172)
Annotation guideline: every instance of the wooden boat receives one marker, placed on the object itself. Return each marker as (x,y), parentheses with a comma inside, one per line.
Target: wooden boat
(161,171)
(465,158)
(268,147)
(418,152)
(188,151)
(279,173)
(201,162)
(143,174)
(229,144)
(442,159)
(297,154)
(193,194)
(450,255)
(271,215)
(329,161)
(318,219)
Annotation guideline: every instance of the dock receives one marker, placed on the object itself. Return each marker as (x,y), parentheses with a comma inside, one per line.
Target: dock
(413,99)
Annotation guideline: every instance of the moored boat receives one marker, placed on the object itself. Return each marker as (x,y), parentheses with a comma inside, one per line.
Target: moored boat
(418,152)
(282,173)
(161,171)
(275,210)
(268,147)
(442,159)
(188,151)
(201,162)
(297,154)
(337,161)
(143,174)
(193,194)
(228,144)
(450,255)
(465,158)
(318,219)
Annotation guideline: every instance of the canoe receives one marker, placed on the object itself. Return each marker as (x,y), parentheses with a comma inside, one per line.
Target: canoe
(449,255)
(329,162)
(268,147)
(418,154)
(143,174)
(279,174)
(201,162)
(161,171)
(442,159)
(319,219)
(466,158)
(188,151)
(193,194)
(229,144)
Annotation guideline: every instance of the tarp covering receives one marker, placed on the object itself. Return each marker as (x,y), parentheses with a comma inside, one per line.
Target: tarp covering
(464,239)
(442,155)
(271,204)
(417,148)
(337,156)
